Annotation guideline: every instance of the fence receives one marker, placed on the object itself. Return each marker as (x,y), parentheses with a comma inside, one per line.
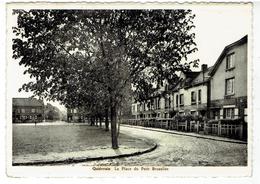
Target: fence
(226,128)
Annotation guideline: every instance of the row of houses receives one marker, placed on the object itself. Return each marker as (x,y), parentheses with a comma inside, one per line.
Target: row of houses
(216,92)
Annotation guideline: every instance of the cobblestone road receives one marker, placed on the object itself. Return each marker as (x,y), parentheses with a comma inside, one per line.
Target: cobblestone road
(178,150)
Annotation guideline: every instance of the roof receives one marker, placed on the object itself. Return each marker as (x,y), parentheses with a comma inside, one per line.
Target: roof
(186,81)
(200,78)
(193,79)
(27,102)
(224,52)
(191,74)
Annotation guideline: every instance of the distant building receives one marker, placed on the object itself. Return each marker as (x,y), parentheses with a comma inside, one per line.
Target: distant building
(52,113)
(27,110)
(76,115)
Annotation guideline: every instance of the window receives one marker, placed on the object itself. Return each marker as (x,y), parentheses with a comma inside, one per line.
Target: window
(181,99)
(149,106)
(33,110)
(193,97)
(138,107)
(167,102)
(155,103)
(229,113)
(181,113)
(193,113)
(165,115)
(199,96)
(152,104)
(166,87)
(230,86)
(133,108)
(75,110)
(215,114)
(177,100)
(18,111)
(230,61)
(22,110)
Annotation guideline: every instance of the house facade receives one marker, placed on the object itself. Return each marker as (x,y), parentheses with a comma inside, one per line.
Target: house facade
(191,93)
(27,110)
(228,93)
(217,92)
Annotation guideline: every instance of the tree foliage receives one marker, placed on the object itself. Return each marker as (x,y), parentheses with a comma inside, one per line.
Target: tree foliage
(87,58)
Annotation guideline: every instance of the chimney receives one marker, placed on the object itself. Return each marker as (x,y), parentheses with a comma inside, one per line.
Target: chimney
(204,67)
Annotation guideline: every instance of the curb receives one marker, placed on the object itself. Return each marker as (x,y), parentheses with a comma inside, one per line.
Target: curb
(179,133)
(78,160)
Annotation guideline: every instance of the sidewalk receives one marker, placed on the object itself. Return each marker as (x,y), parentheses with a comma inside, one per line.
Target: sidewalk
(82,156)
(191,134)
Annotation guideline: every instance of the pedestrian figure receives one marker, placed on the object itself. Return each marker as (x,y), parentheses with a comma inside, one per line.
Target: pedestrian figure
(35,123)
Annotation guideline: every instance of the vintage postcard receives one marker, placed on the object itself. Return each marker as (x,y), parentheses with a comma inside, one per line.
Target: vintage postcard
(129,89)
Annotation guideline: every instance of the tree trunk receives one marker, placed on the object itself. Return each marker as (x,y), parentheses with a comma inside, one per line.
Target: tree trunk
(118,125)
(96,121)
(92,121)
(106,120)
(114,127)
(100,122)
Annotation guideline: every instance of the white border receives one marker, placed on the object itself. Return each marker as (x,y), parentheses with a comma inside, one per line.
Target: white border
(182,180)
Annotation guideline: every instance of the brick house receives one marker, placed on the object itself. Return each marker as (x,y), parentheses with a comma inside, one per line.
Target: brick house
(27,110)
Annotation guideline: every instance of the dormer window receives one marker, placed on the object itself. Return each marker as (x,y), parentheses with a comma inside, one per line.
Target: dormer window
(230,61)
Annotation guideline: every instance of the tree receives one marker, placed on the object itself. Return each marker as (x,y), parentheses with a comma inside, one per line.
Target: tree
(77,56)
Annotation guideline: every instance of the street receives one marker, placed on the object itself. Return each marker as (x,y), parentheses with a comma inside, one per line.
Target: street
(179,150)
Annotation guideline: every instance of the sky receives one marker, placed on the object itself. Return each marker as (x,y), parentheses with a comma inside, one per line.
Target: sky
(216,27)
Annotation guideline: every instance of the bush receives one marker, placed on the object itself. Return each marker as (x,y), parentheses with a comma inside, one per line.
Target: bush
(231,121)
(188,117)
(177,117)
(213,121)
(226,121)
(198,118)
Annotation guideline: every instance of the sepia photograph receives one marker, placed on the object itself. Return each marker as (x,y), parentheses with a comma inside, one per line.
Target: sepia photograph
(139,88)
